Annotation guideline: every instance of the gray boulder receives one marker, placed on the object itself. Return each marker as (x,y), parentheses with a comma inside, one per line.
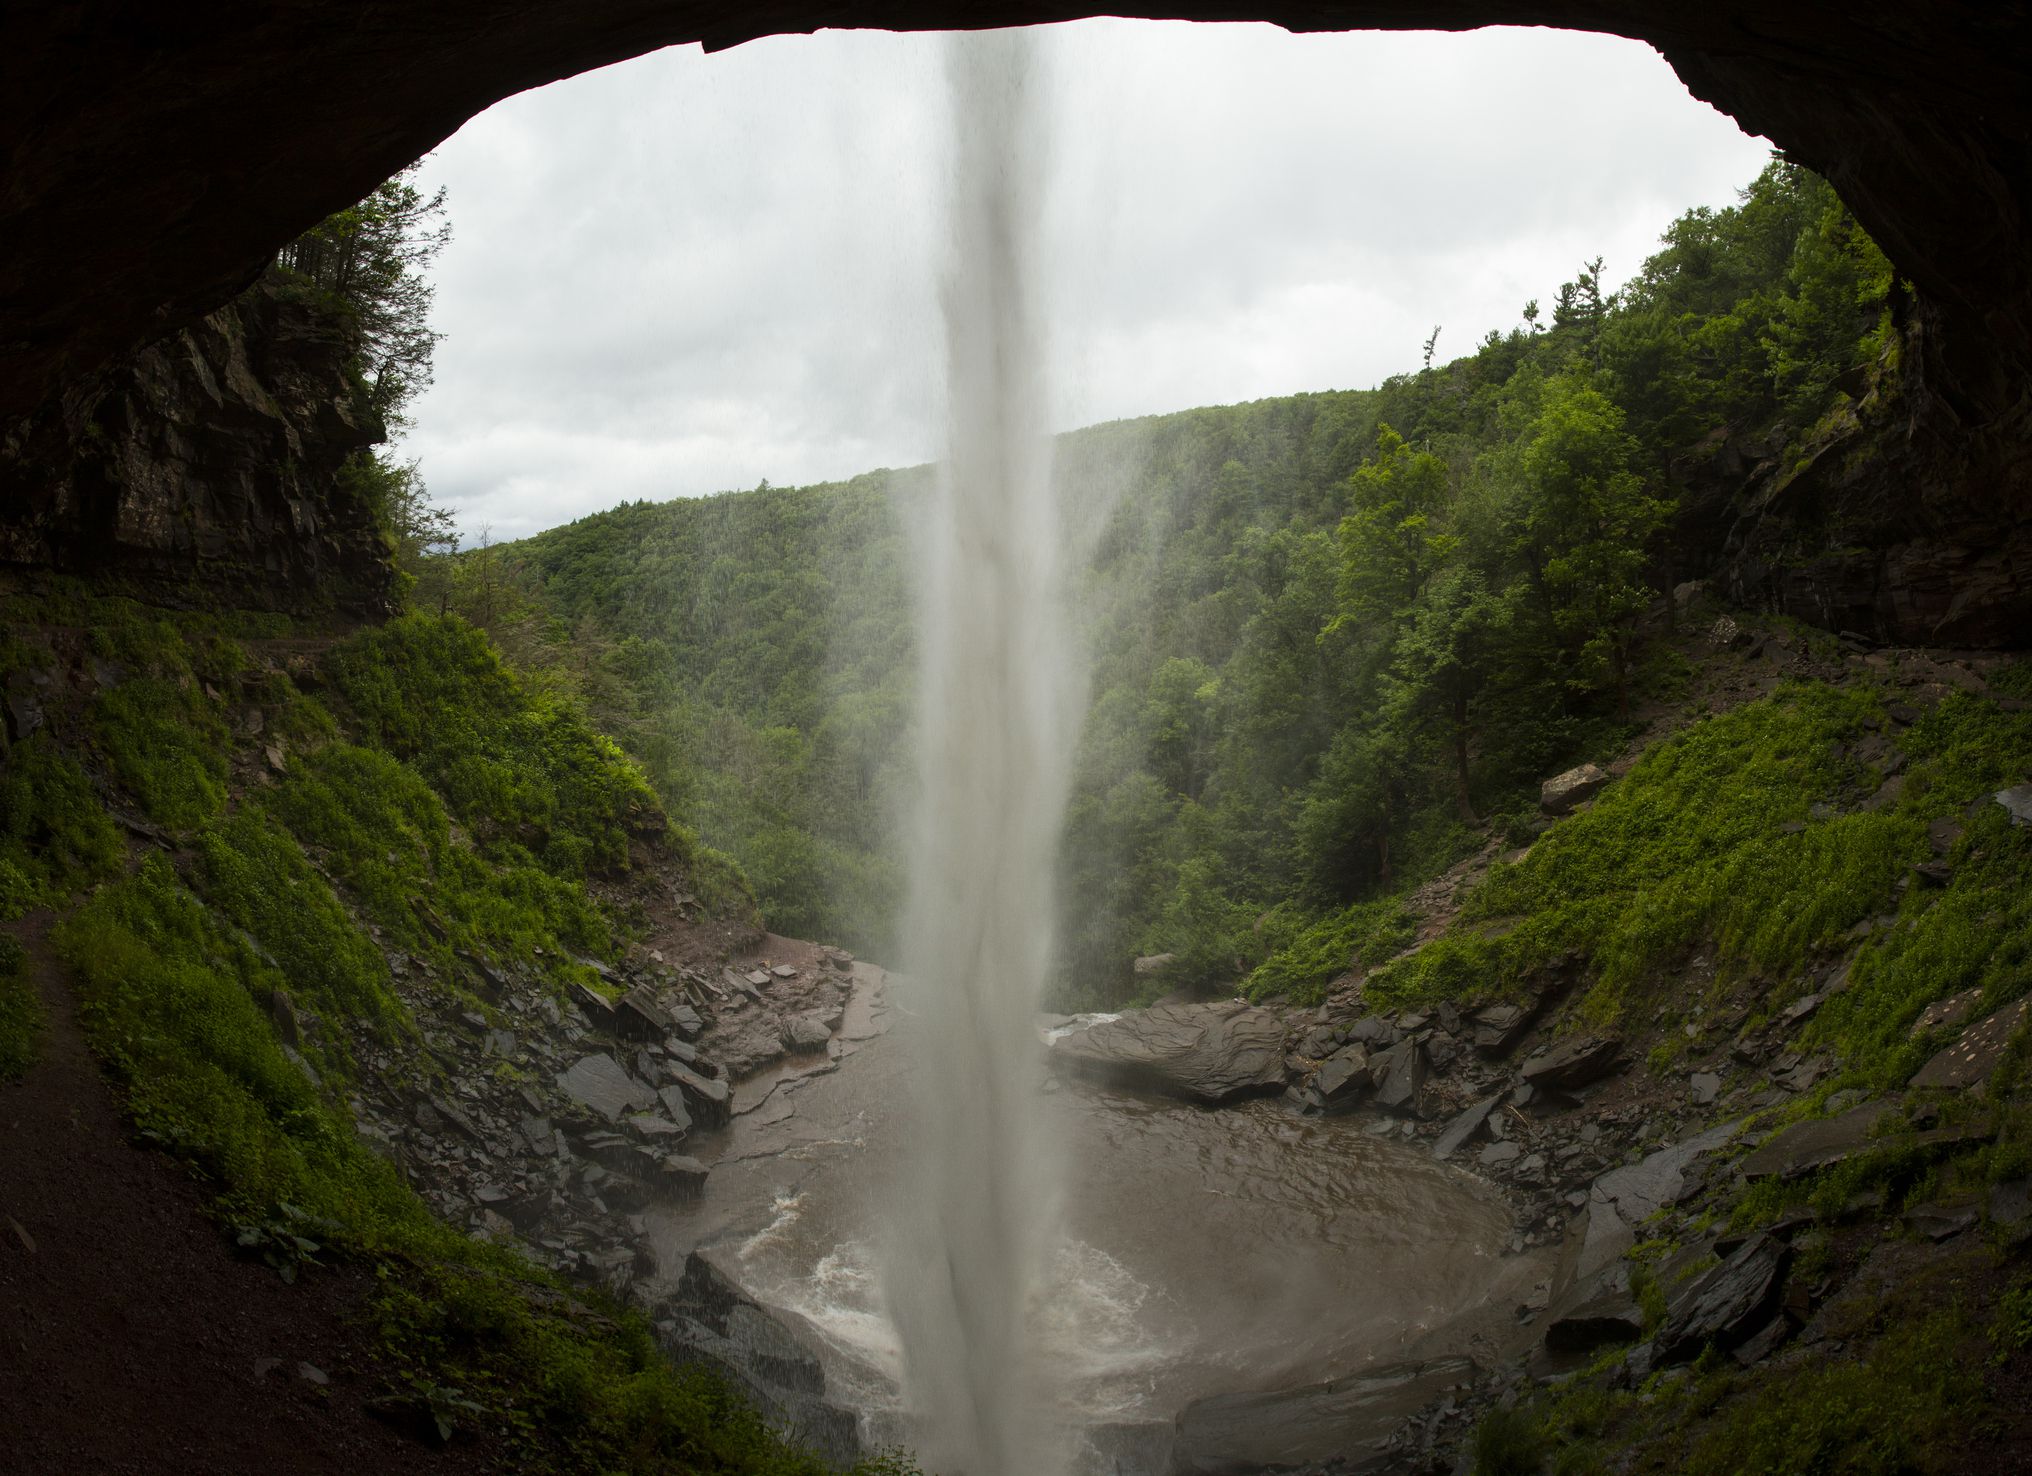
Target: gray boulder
(1204,1052)
(1729,1303)
(640,1017)
(708,1096)
(806,1033)
(1573,1062)
(1400,1078)
(2017,800)
(1343,1078)
(1560,794)
(1498,1027)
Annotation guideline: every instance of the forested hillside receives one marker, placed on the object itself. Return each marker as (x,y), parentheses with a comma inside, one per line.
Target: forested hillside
(1334,637)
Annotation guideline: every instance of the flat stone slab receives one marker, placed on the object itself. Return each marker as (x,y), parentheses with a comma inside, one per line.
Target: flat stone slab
(1342,1419)
(1806,1146)
(603,1084)
(1205,1052)
(1463,1128)
(1971,1059)
(1639,1190)
(1573,1062)
(1945,1014)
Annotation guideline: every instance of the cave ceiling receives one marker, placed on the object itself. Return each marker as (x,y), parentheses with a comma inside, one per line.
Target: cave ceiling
(157,155)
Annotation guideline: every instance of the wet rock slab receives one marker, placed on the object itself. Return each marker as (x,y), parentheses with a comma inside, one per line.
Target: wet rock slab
(771,1357)
(1574,1062)
(601,1083)
(1806,1146)
(1209,1053)
(1729,1303)
(1463,1128)
(1973,1056)
(1343,1419)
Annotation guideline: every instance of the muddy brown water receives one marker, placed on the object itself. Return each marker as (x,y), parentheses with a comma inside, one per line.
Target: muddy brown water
(1204,1252)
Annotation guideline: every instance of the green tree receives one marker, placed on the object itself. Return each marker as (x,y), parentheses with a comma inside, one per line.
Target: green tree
(1389,541)
(1445,657)
(420,534)
(371,258)
(1588,521)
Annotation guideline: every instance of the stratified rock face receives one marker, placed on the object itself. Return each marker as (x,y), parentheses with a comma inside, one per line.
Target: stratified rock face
(209,464)
(1206,1052)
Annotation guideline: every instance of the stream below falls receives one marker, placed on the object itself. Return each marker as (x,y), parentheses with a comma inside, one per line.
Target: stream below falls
(1205,1252)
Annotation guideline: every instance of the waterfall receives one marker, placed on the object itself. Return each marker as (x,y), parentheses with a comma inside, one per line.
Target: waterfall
(998,696)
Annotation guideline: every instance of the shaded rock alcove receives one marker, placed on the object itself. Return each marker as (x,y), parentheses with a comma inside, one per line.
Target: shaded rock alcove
(155,162)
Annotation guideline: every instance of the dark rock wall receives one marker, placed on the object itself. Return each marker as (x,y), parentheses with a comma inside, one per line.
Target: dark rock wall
(1899,519)
(152,159)
(206,466)
(155,157)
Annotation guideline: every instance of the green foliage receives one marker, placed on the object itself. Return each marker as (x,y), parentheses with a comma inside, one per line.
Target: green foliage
(1307,954)
(54,834)
(169,1001)
(518,769)
(1508,1442)
(253,871)
(1327,632)
(21,1013)
(369,261)
(417,531)
(1976,932)
(167,746)
(1710,841)
(1587,525)
(1898,1408)
(385,837)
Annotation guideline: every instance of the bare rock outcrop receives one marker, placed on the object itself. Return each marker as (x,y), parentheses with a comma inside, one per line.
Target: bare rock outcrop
(1205,1052)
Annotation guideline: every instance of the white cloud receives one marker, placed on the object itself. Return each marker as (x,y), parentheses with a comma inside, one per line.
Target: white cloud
(688,272)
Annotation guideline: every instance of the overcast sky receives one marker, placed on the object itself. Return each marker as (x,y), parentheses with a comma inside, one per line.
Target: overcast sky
(689,273)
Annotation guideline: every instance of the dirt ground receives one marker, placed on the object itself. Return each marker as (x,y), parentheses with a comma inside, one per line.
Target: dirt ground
(132,1338)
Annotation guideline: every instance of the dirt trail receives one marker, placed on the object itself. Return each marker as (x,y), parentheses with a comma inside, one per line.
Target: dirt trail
(131,1338)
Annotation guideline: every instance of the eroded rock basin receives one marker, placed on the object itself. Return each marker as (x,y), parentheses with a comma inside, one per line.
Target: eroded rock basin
(1208,1254)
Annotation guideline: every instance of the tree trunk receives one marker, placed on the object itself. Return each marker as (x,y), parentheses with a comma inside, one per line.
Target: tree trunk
(1462,798)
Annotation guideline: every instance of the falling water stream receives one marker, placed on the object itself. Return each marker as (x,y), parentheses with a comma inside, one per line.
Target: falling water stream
(1011,1281)
(997,700)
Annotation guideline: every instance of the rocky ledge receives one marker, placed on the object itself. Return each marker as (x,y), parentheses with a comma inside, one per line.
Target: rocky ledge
(553,1123)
